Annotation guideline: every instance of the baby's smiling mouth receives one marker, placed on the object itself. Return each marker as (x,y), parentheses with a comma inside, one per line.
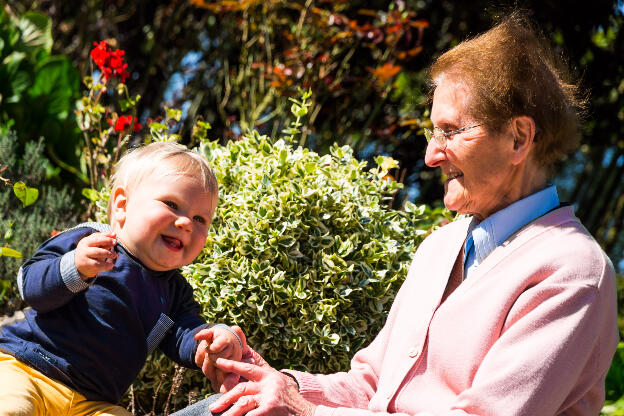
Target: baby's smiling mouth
(172,242)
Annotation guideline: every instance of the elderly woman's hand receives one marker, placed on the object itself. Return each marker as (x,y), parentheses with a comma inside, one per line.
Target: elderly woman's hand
(267,391)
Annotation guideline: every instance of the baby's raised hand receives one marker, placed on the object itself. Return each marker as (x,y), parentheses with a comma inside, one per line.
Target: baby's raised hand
(94,254)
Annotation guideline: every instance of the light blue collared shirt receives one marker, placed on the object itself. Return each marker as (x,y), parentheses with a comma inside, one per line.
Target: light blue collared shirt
(484,237)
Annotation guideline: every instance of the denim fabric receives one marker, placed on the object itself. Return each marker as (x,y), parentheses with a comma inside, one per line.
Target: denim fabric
(199,408)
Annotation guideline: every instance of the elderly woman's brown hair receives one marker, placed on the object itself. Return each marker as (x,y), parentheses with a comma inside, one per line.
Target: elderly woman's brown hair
(511,70)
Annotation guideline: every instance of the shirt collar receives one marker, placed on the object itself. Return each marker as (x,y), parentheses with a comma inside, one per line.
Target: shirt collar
(492,231)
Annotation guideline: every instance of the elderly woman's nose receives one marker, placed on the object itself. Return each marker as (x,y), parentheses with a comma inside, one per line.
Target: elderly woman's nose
(434,155)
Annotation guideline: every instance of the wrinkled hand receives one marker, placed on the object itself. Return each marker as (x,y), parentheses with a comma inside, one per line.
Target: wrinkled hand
(217,343)
(94,254)
(267,391)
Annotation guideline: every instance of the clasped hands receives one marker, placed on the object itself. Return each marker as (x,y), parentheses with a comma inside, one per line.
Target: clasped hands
(249,386)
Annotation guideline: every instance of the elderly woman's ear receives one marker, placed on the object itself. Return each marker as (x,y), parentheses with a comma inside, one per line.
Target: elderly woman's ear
(523,131)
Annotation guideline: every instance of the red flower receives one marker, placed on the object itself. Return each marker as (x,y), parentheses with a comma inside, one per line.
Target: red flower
(110,61)
(124,122)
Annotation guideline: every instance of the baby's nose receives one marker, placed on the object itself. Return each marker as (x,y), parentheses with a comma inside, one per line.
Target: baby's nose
(183,223)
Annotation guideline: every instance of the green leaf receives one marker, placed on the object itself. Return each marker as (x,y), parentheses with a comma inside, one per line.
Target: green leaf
(27,195)
(36,31)
(55,84)
(19,83)
(91,194)
(9,252)
(173,113)
(159,127)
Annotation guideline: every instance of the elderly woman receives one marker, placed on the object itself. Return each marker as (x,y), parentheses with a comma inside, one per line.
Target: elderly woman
(508,311)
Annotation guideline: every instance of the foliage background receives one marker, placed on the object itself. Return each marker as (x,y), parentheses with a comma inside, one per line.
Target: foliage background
(35,222)
(235,63)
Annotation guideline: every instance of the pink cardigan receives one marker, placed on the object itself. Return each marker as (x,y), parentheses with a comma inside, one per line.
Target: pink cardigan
(531,332)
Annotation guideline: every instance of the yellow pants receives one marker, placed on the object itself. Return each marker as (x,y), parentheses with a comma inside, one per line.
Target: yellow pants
(25,391)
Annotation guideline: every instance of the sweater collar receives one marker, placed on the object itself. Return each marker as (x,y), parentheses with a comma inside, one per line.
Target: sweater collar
(485,236)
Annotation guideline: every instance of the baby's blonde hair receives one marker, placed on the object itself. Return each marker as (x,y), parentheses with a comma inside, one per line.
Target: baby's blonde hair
(140,162)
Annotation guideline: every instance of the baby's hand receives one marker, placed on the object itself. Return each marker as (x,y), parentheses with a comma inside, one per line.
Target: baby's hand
(224,345)
(215,342)
(95,254)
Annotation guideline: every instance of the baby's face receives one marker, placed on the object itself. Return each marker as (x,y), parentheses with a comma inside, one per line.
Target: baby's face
(164,221)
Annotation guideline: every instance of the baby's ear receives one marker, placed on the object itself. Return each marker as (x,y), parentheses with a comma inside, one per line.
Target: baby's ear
(119,197)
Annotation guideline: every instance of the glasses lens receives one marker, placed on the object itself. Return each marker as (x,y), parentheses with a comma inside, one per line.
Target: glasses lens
(440,137)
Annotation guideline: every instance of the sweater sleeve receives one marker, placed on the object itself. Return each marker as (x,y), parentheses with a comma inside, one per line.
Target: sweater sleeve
(49,279)
(179,344)
(352,389)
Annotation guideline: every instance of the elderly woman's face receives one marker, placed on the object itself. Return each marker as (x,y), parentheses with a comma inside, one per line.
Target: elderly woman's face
(479,175)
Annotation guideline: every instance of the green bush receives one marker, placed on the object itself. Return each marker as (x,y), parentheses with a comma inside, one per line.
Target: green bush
(38,89)
(26,228)
(303,253)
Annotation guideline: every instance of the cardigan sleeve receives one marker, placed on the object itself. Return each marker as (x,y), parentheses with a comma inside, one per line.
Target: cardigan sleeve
(352,389)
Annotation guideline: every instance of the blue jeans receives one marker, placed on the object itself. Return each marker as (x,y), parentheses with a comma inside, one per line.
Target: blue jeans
(199,408)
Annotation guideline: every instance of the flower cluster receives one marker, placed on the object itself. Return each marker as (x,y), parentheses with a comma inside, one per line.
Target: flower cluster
(123,122)
(110,62)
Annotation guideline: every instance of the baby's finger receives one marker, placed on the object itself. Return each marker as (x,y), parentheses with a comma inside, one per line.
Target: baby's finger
(209,371)
(206,334)
(200,354)
(101,254)
(103,240)
(219,344)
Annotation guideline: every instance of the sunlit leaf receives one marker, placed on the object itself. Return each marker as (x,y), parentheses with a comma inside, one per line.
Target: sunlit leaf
(27,195)
(9,252)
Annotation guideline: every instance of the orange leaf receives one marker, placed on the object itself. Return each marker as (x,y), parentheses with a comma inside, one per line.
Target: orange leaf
(386,71)
(368,12)
(408,122)
(341,35)
(422,23)
(415,51)
(394,28)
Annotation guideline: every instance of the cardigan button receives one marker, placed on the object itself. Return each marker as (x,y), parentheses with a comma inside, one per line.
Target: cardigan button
(413,352)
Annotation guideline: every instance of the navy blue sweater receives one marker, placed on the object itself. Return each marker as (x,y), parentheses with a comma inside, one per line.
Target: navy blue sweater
(96,336)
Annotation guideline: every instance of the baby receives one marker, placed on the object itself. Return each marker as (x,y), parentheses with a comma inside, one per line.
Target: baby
(104,297)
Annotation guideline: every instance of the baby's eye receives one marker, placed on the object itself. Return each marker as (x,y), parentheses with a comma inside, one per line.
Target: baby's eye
(170,204)
(199,219)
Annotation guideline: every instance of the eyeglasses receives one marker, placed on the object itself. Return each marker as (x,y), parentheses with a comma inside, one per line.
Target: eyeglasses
(442,136)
